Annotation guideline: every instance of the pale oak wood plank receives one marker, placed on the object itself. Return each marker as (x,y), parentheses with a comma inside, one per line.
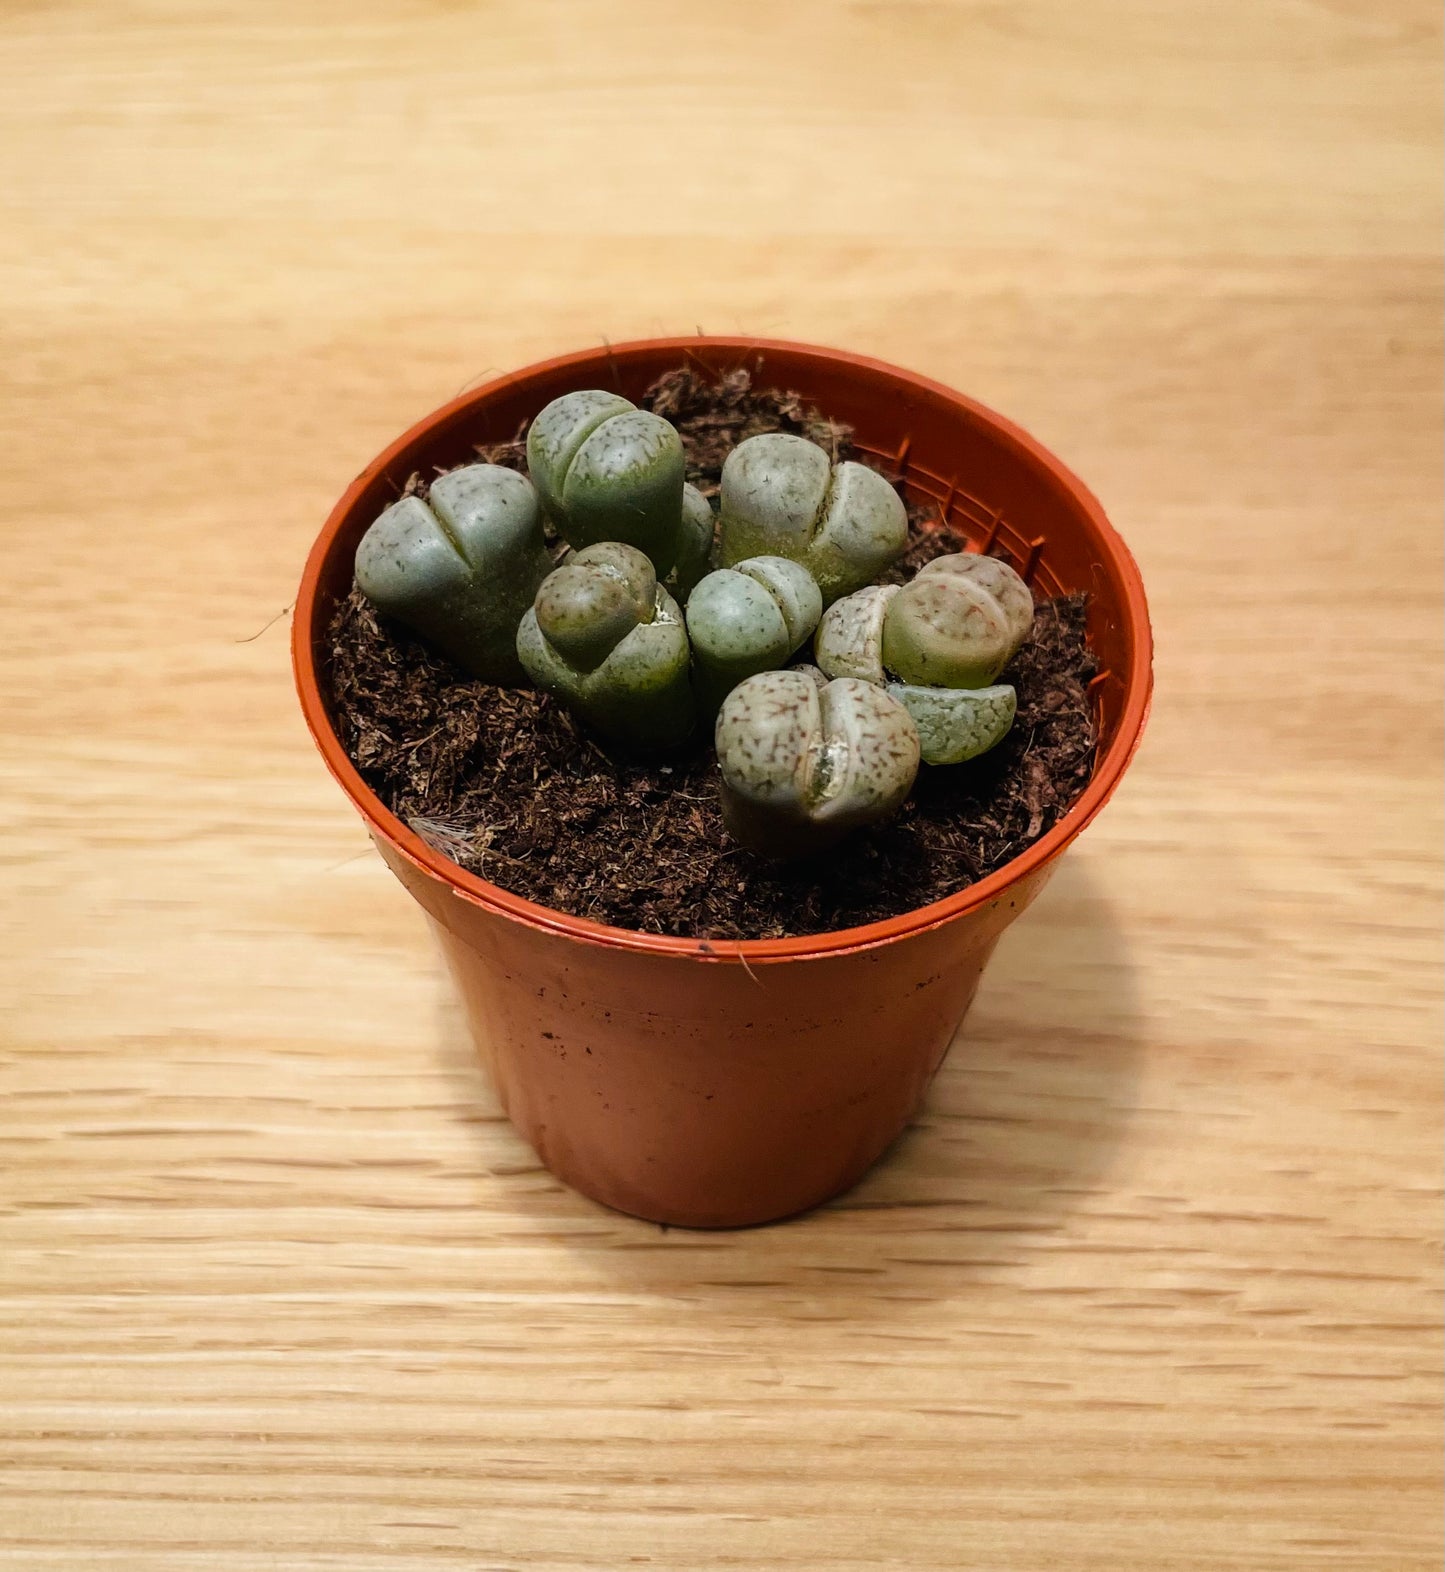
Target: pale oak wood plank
(1155,1280)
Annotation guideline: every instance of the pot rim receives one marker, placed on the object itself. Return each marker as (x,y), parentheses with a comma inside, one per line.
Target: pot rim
(1108,769)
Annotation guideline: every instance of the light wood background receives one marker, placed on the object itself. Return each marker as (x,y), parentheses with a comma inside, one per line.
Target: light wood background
(1155,1281)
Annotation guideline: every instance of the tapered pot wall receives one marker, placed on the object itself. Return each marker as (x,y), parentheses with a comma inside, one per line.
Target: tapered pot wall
(700,1092)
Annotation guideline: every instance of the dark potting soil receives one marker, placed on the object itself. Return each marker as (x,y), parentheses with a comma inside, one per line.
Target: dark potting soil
(506,784)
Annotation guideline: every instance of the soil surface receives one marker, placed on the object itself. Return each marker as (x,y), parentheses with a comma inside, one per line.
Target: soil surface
(506,784)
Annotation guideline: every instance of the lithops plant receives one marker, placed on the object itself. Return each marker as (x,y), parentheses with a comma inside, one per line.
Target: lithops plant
(749,619)
(947,634)
(957,724)
(782,496)
(850,635)
(608,640)
(460,566)
(958,622)
(694,544)
(803,765)
(608,471)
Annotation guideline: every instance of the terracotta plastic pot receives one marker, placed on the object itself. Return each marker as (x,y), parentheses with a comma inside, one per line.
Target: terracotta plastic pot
(714,1084)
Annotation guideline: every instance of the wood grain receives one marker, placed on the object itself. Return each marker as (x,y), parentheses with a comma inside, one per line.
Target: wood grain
(1155,1282)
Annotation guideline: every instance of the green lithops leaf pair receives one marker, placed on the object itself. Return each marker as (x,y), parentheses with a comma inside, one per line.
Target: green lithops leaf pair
(782,496)
(805,761)
(748,619)
(608,471)
(958,623)
(946,635)
(461,565)
(609,641)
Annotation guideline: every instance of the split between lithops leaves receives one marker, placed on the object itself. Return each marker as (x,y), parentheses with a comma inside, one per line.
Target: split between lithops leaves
(749,619)
(608,471)
(782,496)
(460,566)
(803,765)
(608,640)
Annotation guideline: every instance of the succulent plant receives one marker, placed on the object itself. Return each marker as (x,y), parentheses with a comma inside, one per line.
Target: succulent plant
(850,636)
(460,566)
(696,539)
(782,496)
(803,764)
(608,471)
(749,619)
(948,633)
(956,724)
(958,622)
(608,640)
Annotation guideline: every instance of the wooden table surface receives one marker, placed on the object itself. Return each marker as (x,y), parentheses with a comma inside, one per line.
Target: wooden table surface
(1154,1281)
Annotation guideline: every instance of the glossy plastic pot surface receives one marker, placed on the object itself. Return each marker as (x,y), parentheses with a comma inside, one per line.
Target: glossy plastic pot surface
(719,1083)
